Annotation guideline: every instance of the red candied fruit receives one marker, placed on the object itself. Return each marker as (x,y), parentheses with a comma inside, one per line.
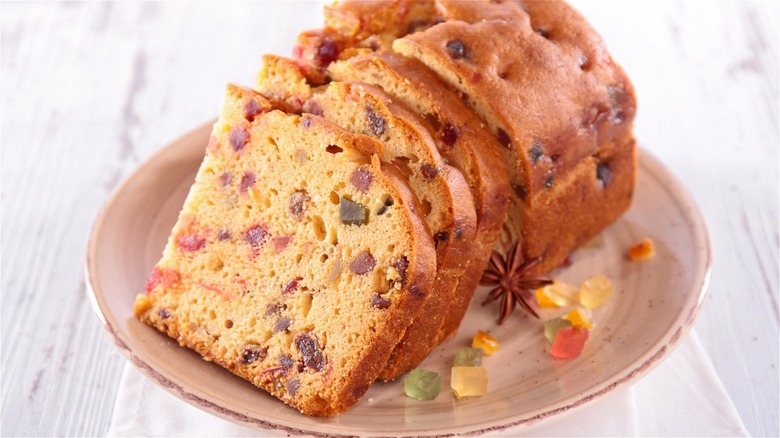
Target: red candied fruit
(291,285)
(251,109)
(164,277)
(280,243)
(256,235)
(327,52)
(569,342)
(247,181)
(190,242)
(238,138)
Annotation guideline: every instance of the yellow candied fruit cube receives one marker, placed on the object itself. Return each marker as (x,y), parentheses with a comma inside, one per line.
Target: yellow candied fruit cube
(595,291)
(642,250)
(558,294)
(580,317)
(141,304)
(469,381)
(487,343)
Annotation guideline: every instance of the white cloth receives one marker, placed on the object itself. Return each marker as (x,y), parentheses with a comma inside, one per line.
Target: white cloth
(696,404)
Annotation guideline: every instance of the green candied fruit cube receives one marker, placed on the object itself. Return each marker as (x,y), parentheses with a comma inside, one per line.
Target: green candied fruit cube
(352,213)
(552,326)
(468,357)
(422,385)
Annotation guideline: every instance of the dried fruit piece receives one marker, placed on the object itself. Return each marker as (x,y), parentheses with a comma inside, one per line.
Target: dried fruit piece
(238,138)
(251,109)
(375,122)
(352,213)
(363,263)
(280,243)
(397,275)
(247,181)
(327,52)
(469,381)
(252,353)
(286,361)
(429,171)
(383,209)
(298,202)
(449,134)
(543,301)
(536,152)
(164,277)
(421,384)
(558,294)
(569,342)
(552,326)
(580,317)
(310,349)
(225,178)
(142,304)
(642,250)
(503,138)
(379,301)
(603,174)
(468,357)
(190,243)
(292,387)
(456,49)
(361,178)
(282,324)
(291,285)
(256,235)
(487,343)
(595,291)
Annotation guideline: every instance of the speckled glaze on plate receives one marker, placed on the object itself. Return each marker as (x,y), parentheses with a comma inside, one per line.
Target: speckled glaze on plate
(654,305)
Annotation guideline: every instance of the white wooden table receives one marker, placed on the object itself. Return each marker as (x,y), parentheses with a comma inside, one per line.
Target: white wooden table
(90,89)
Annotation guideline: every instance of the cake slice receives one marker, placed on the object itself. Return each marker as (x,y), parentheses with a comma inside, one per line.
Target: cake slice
(298,259)
(463,141)
(408,144)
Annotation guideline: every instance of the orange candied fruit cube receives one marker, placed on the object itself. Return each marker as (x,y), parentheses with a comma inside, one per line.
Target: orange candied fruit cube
(543,300)
(487,343)
(642,250)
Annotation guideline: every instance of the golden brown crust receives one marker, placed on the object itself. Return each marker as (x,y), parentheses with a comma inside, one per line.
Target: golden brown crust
(275,313)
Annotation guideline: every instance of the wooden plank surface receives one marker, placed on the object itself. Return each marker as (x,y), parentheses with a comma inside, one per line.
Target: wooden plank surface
(90,89)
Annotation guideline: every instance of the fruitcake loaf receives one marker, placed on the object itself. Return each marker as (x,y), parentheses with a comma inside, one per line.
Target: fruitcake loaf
(408,144)
(543,82)
(298,259)
(463,142)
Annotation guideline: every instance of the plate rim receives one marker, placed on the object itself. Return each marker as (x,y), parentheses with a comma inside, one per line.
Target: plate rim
(631,373)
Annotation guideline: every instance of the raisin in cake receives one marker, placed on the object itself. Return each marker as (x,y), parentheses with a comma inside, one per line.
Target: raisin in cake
(298,259)
(408,144)
(463,142)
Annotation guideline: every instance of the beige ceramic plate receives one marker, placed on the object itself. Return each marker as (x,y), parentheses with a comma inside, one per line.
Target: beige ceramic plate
(654,304)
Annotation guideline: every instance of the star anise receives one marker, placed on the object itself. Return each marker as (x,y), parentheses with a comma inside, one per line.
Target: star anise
(512,281)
